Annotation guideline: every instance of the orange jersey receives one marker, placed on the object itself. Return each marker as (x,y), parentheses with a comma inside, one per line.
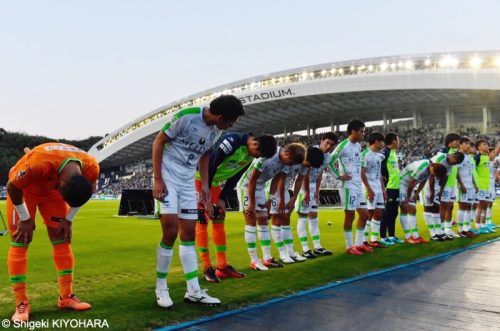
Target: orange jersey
(38,171)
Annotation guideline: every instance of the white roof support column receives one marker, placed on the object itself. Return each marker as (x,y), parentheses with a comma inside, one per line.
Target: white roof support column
(485,119)
(448,119)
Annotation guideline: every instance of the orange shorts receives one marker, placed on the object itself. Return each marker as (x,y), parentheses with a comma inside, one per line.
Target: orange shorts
(51,206)
(215,191)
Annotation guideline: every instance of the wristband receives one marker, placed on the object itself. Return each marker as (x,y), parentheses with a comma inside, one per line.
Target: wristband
(71,214)
(22,211)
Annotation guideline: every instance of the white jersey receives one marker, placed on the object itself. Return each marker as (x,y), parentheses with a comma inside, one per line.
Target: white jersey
(492,176)
(190,137)
(316,172)
(418,170)
(348,157)
(465,170)
(268,168)
(292,172)
(372,162)
(442,158)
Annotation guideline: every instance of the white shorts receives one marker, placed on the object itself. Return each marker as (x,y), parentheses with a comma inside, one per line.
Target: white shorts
(403,192)
(467,197)
(275,200)
(483,195)
(181,200)
(449,194)
(303,207)
(353,199)
(426,195)
(260,199)
(492,196)
(378,201)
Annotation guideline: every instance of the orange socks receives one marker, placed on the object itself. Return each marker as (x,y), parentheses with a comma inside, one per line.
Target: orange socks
(64,261)
(219,237)
(17,263)
(202,244)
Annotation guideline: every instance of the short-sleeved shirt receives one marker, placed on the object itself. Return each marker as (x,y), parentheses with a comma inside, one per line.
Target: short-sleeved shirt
(418,170)
(390,169)
(465,169)
(314,173)
(441,157)
(372,162)
(348,157)
(483,171)
(38,171)
(190,138)
(492,177)
(268,168)
(292,172)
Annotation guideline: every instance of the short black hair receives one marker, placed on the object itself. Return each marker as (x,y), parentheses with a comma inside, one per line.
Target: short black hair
(76,191)
(267,145)
(315,156)
(375,136)
(464,140)
(390,138)
(354,125)
(451,137)
(459,156)
(229,106)
(330,136)
(439,170)
(480,141)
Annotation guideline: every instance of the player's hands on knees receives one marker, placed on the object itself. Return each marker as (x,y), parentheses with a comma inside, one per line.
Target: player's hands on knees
(65,230)
(24,232)
(221,204)
(159,189)
(209,208)
(250,211)
(281,207)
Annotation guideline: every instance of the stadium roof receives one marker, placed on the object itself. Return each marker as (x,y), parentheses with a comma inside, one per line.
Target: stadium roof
(454,88)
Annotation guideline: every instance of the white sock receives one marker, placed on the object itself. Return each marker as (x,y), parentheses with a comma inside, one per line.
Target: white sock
(286,234)
(437,224)
(366,232)
(302,233)
(447,226)
(478,217)
(163,260)
(348,238)
(488,215)
(189,261)
(265,241)
(375,230)
(430,223)
(314,231)
(404,224)
(460,220)
(412,222)
(278,239)
(466,222)
(250,239)
(359,236)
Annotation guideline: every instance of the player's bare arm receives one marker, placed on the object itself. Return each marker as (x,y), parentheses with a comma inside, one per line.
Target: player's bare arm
(159,187)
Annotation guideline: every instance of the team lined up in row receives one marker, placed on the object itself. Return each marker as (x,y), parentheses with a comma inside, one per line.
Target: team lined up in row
(188,148)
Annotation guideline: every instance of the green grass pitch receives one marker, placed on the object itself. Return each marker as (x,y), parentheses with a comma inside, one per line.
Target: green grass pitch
(115,268)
